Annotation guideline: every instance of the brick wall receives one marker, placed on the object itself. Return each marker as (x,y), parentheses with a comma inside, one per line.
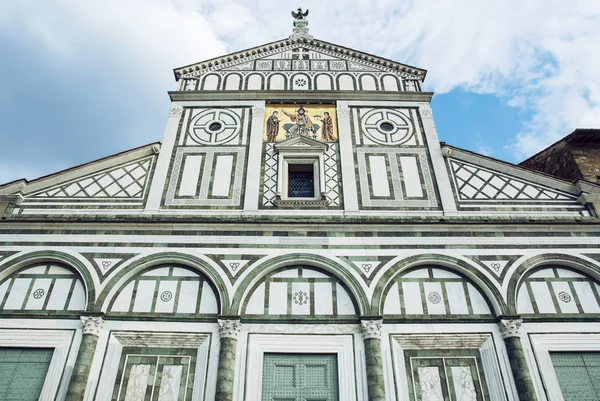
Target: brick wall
(558,161)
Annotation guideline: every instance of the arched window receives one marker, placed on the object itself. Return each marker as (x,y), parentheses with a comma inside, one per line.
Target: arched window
(166,290)
(552,290)
(48,287)
(300,291)
(434,292)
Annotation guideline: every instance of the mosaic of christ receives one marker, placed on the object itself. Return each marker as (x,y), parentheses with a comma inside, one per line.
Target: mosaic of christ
(312,121)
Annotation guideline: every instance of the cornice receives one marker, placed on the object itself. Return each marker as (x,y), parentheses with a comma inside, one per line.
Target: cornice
(301,96)
(220,63)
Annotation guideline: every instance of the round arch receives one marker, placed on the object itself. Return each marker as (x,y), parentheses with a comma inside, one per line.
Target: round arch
(266,268)
(155,260)
(32,258)
(480,281)
(555,259)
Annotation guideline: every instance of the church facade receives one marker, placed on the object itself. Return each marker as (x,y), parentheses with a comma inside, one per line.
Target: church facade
(299,234)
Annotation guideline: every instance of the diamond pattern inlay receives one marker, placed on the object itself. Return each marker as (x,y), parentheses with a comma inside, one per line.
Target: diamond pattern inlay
(476,183)
(270,178)
(331,175)
(126,181)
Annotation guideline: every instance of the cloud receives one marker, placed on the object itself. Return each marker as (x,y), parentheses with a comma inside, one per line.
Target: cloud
(539,56)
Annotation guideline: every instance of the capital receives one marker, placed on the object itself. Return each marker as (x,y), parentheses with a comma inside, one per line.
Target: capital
(92,325)
(510,328)
(229,328)
(371,328)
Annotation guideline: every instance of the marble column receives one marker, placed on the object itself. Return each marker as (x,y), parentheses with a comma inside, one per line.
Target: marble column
(228,332)
(510,330)
(81,371)
(371,331)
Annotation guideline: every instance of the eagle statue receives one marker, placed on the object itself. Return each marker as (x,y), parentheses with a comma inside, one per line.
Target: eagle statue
(299,15)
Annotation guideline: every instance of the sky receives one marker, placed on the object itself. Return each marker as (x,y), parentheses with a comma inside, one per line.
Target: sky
(82,80)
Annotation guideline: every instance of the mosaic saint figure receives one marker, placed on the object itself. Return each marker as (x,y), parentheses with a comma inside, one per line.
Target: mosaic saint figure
(272,127)
(327,127)
(302,125)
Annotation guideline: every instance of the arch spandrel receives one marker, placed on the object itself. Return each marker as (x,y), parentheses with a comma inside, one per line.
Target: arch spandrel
(265,268)
(198,264)
(477,278)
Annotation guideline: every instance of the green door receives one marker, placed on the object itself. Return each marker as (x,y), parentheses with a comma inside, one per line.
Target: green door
(578,374)
(300,377)
(22,373)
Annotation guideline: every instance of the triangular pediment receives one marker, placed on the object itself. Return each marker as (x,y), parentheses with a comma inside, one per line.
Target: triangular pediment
(300,55)
(301,143)
(481,179)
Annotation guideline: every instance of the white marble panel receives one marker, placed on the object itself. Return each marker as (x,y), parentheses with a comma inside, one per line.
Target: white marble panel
(170,383)
(208,303)
(160,272)
(17,293)
(179,272)
(419,273)
(392,302)
(164,302)
(463,384)
(586,297)
(58,270)
(411,293)
(542,296)
(256,304)
(190,176)
(255,82)
(59,294)
(3,288)
(278,298)
(346,83)
(323,82)
(323,299)
(144,296)
(313,274)
(524,304)
(368,83)
(123,300)
(379,177)
(301,298)
(430,383)
(478,303)
(565,307)
(34,270)
(78,297)
(222,175)
(433,307)
(233,82)
(137,384)
(344,302)
(41,285)
(410,174)
(440,273)
(390,84)
(544,273)
(568,273)
(300,82)
(457,300)
(277,82)
(188,297)
(211,83)
(289,273)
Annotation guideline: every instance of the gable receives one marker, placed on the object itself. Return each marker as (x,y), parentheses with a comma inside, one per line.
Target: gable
(479,181)
(286,64)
